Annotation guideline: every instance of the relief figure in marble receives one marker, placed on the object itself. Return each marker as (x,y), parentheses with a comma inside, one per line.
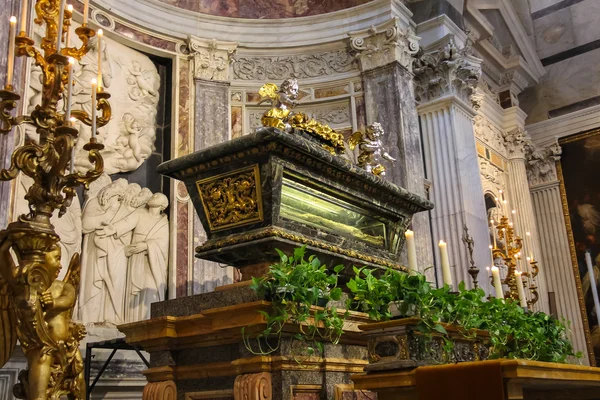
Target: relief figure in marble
(147,255)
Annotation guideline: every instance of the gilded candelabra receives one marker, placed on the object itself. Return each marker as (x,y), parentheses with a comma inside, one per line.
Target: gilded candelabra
(511,255)
(41,305)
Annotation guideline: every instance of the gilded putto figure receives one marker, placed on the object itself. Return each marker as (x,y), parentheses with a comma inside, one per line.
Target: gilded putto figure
(281,116)
(371,150)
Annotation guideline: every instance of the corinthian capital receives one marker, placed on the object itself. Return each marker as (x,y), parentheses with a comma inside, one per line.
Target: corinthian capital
(211,58)
(384,44)
(541,164)
(517,143)
(447,71)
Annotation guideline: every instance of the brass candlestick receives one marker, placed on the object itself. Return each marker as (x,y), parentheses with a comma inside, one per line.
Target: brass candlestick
(42,305)
(511,254)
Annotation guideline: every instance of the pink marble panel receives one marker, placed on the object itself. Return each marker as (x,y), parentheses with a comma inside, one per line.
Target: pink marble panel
(144,37)
(183,131)
(236,122)
(183,240)
(361,118)
(264,8)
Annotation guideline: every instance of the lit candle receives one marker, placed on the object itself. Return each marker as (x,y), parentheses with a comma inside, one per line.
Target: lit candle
(61,17)
(11,51)
(94,92)
(497,283)
(411,251)
(72,166)
(99,48)
(69,87)
(68,41)
(520,289)
(446,275)
(86,10)
(24,9)
(592,276)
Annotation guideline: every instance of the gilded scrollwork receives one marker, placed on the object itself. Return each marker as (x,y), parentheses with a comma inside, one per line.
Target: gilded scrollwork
(232,199)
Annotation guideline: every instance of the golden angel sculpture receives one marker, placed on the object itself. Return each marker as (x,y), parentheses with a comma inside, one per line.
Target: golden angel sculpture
(52,344)
(281,116)
(371,150)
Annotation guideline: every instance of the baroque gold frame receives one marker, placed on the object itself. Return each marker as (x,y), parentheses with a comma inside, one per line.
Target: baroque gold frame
(572,251)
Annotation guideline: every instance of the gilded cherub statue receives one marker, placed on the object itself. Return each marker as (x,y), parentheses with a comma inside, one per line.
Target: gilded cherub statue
(52,344)
(281,116)
(371,150)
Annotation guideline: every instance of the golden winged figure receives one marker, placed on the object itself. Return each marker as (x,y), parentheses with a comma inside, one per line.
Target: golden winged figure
(51,340)
(371,150)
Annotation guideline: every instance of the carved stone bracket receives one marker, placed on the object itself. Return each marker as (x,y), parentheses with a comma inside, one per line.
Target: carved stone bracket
(541,164)
(252,387)
(447,71)
(384,44)
(211,58)
(165,390)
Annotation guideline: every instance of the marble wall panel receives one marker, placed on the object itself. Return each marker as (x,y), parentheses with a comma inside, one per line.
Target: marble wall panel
(264,8)
(554,33)
(586,20)
(537,5)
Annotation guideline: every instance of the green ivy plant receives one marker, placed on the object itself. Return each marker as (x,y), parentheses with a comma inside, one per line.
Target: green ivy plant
(299,290)
(514,333)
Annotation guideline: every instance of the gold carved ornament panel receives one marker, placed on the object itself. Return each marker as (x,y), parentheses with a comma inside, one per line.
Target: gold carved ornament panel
(232,199)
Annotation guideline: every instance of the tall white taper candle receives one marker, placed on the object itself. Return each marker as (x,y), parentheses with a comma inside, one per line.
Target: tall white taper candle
(99,48)
(497,283)
(11,51)
(411,252)
(68,38)
(86,11)
(446,274)
(72,165)
(94,93)
(520,289)
(592,276)
(61,18)
(24,10)
(69,88)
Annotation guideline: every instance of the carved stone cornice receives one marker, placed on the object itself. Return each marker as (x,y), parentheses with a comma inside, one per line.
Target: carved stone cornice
(541,164)
(384,44)
(211,58)
(300,66)
(444,72)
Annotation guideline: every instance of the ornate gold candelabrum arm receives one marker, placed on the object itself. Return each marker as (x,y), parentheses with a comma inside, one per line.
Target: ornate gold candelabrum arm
(55,367)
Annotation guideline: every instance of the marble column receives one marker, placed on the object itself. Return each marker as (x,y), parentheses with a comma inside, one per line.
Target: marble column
(211,126)
(385,56)
(555,257)
(519,199)
(445,80)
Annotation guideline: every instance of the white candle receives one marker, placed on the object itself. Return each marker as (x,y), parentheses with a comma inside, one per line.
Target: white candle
(24,9)
(497,283)
(493,232)
(86,10)
(68,40)
(411,251)
(69,87)
(492,253)
(94,92)
(99,44)
(520,289)
(61,17)
(72,166)
(590,267)
(446,275)
(11,51)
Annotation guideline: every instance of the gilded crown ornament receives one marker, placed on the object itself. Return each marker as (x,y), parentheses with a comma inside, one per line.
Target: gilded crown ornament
(281,116)
(41,305)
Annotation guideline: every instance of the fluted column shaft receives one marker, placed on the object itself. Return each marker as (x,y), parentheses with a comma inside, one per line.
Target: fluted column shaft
(456,190)
(524,221)
(556,258)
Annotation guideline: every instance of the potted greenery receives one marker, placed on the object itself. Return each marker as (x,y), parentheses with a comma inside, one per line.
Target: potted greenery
(300,290)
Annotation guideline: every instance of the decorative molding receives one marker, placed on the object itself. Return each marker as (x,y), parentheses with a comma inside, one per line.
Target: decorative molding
(300,66)
(381,45)
(253,387)
(211,58)
(488,133)
(444,72)
(541,164)
(490,172)
(165,390)
(516,141)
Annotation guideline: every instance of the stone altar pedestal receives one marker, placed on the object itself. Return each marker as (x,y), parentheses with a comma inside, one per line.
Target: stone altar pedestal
(255,194)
